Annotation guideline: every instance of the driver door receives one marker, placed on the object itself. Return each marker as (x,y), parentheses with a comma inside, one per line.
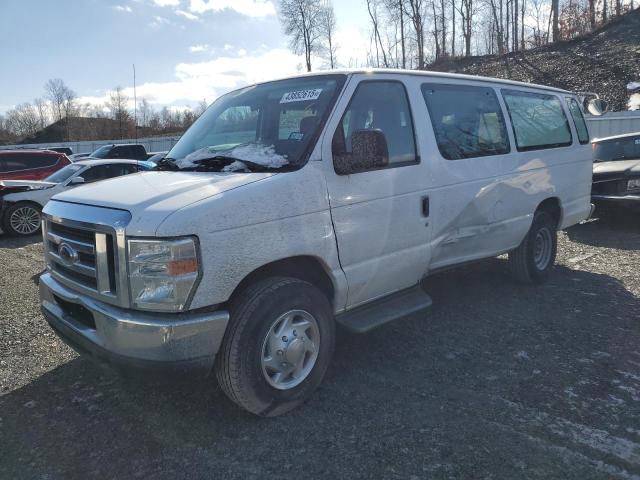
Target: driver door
(380,216)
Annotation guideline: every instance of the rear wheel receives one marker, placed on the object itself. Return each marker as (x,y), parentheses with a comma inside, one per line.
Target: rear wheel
(533,260)
(22,219)
(277,347)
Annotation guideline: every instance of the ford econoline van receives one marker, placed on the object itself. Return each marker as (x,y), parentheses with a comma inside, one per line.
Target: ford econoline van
(294,205)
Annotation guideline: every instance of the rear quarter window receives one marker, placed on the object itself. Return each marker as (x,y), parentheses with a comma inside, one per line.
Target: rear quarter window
(538,120)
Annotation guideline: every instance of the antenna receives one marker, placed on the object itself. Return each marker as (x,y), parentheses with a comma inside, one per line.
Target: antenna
(135,112)
(135,104)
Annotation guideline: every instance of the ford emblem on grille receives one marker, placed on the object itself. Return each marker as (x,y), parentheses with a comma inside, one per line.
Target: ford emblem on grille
(67,254)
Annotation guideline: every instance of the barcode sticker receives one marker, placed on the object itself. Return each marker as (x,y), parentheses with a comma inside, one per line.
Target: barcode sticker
(301,95)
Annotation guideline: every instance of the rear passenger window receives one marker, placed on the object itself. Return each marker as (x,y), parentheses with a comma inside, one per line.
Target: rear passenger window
(578,120)
(538,120)
(467,120)
(381,105)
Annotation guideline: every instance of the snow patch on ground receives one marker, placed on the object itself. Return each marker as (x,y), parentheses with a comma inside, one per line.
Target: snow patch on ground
(264,155)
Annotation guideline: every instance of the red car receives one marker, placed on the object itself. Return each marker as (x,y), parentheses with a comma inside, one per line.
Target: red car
(30,164)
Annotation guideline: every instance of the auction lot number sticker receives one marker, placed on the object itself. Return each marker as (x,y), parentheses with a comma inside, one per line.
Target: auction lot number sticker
(301,95)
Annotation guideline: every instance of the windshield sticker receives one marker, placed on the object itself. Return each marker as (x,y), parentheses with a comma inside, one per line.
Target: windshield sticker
(301,95)
(637,142)
(296,136)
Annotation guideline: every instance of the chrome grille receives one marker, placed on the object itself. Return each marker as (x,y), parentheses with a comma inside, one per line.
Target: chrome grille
(81,256)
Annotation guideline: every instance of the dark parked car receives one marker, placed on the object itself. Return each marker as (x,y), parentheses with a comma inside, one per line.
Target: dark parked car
(129,151)
(30,164)
(616,171)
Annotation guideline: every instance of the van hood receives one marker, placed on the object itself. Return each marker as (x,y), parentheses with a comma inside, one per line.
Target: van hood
(151,196)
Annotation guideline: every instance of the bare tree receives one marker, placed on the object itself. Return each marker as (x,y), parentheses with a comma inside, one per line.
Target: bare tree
(146,111)
(416,13)
(23,120)
(42,108)
(467,11)
(372,8)
(555,20)
(301,22)
(59,95)
(201,108)
(327,31)
(117,105)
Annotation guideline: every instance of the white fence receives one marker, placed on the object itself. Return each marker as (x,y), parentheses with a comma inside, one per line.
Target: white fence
(152,144)
(613,123)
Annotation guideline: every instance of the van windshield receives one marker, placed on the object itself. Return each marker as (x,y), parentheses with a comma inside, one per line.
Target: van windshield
(263,127)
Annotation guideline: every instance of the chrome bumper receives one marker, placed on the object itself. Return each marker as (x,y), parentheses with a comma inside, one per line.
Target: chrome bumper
(127,338)
(622,200)
(631,198)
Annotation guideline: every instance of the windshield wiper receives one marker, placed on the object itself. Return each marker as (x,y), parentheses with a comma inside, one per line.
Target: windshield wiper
(167,163)
(217,162)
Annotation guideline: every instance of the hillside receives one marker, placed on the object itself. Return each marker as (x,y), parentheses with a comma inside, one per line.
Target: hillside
(603,62)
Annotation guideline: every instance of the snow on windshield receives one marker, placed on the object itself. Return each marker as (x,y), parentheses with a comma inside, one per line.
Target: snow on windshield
(264,155)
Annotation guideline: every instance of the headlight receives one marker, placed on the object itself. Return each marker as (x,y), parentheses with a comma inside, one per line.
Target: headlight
(162,273)
(633,184)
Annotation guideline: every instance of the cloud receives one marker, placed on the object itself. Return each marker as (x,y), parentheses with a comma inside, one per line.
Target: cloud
(198,48)
(210,79)
(187,15)
(167,3)
(158,21)
(251,8)
(121,8)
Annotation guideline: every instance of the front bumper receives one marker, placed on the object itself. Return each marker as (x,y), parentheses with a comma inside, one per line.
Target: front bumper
(621,200)
(168,342)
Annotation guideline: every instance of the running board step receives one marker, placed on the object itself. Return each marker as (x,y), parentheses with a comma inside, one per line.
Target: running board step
(384,310)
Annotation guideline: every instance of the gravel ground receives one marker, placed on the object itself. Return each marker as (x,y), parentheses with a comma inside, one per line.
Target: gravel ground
(498,380)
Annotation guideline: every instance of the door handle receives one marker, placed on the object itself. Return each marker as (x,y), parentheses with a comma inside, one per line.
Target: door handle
(425,206)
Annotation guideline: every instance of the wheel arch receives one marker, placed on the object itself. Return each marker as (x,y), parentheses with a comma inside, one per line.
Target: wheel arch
(303,267)
(553,206)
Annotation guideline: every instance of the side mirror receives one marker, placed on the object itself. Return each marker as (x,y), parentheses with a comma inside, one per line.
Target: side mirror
(76,181)
(369,152)
(597,106)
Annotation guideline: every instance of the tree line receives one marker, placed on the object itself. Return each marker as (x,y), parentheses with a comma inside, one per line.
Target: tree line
(415,33)
(59,103)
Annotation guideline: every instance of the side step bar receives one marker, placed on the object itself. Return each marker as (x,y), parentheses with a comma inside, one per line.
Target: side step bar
(384,310)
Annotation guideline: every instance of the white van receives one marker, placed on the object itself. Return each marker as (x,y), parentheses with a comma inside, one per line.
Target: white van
(295,204)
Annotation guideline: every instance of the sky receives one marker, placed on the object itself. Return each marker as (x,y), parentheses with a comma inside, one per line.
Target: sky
(184,50)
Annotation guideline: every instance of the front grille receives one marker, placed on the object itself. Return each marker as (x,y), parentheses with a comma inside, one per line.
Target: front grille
(82,256)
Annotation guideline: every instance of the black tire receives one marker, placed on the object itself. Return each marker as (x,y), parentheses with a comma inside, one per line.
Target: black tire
(14,210)
(527,264)
(238,363)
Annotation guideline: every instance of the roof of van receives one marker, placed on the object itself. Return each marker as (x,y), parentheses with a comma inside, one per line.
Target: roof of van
(426,73)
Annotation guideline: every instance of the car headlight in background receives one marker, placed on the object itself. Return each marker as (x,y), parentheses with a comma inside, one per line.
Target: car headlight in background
(633,184)
(162,273)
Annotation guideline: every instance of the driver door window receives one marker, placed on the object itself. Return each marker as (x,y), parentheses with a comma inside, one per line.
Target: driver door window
(378,105)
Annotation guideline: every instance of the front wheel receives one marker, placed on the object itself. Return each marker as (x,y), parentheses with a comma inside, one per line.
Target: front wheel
(277,347)
(533,260)
(22,219)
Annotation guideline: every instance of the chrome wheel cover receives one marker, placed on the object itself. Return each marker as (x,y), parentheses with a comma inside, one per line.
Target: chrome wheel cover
(25,220)
(290,349)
